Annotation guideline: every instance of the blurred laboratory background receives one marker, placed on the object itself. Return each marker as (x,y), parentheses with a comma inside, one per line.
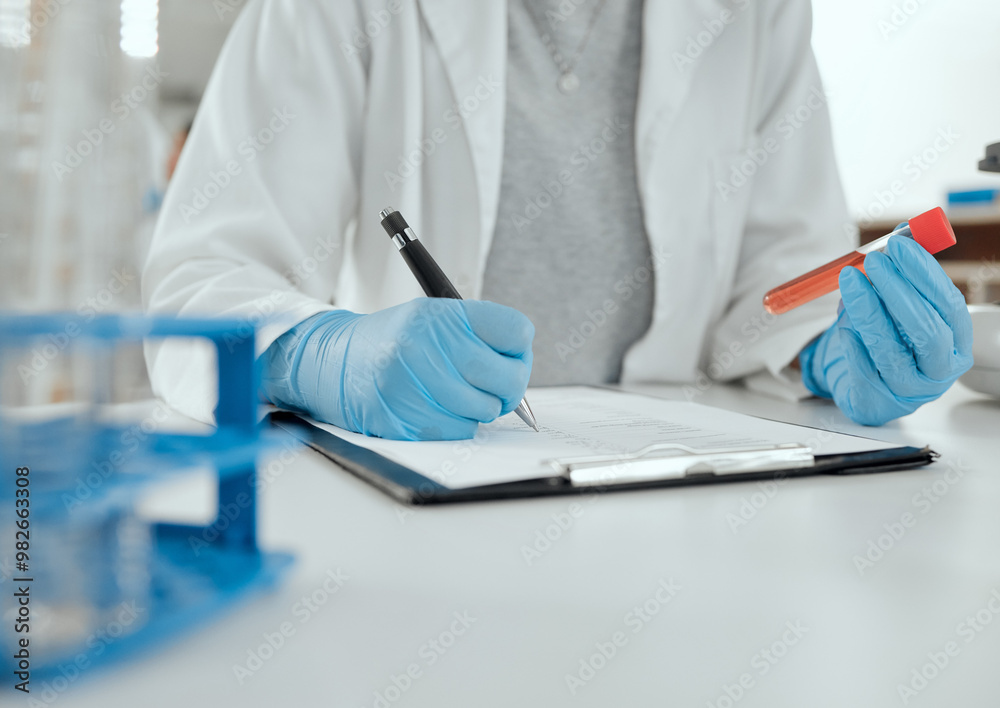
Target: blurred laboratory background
(95,100)
(95,96)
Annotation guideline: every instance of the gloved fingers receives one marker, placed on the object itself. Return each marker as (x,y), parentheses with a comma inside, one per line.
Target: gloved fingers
(512,401)
(427,420)
(404,410)
(923,271)
(503,328)
(919,324)
(891,358)
(378,394)
(399,425)
(501,376)
(461,371)
(445,384)
(493,350)
(418,382)
(859,367)
(853,360)
(861,393)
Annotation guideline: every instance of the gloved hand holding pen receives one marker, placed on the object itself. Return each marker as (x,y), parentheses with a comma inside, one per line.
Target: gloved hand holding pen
(429,369)
(903,337)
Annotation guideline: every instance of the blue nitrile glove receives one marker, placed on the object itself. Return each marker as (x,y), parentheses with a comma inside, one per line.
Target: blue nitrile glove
(430,369)
(901,340)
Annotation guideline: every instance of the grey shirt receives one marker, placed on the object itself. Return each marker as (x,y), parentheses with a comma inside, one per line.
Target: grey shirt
(570,249)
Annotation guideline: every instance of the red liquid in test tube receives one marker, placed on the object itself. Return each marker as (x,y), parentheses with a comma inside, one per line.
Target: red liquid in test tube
(931,230)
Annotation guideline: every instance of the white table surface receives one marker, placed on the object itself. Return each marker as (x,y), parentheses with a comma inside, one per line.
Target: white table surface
(738,590)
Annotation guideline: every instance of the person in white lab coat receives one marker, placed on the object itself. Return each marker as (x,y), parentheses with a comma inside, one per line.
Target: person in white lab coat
(630,176)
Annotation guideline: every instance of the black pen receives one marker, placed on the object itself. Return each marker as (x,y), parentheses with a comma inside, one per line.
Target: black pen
(430,276)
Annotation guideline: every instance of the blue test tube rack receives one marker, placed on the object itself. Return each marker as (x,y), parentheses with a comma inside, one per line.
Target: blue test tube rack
(194,572)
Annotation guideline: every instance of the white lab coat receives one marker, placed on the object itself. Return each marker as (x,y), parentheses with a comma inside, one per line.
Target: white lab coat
(415,119)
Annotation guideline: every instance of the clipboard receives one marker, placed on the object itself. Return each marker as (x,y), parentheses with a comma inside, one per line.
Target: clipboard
(652,467)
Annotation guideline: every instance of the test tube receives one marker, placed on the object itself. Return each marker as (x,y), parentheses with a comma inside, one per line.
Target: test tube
(931,230)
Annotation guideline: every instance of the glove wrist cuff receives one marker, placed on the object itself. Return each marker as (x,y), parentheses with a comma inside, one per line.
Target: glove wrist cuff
(281,361)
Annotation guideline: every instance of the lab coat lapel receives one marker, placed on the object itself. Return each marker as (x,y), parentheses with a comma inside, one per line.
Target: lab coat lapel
(671,32)
(471,36)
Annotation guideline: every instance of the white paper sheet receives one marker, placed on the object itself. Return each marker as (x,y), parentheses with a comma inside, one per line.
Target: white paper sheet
(579,421)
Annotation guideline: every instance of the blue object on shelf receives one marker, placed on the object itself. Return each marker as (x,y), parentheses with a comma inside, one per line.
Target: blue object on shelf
(974,198)
(105,583)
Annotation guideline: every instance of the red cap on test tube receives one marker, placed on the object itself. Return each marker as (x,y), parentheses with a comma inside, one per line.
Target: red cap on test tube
(933,231)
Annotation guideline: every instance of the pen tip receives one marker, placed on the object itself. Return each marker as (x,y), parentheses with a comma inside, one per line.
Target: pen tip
(524,413)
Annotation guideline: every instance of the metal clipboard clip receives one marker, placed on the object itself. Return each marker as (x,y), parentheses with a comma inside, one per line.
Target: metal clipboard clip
(675,461)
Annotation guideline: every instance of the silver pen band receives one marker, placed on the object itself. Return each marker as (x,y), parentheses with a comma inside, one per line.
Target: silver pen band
(401,239)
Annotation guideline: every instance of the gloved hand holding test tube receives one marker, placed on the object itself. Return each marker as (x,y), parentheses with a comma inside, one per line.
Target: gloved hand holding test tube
(903,334)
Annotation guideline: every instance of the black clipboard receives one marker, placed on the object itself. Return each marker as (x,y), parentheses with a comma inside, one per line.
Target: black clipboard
(410,487)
